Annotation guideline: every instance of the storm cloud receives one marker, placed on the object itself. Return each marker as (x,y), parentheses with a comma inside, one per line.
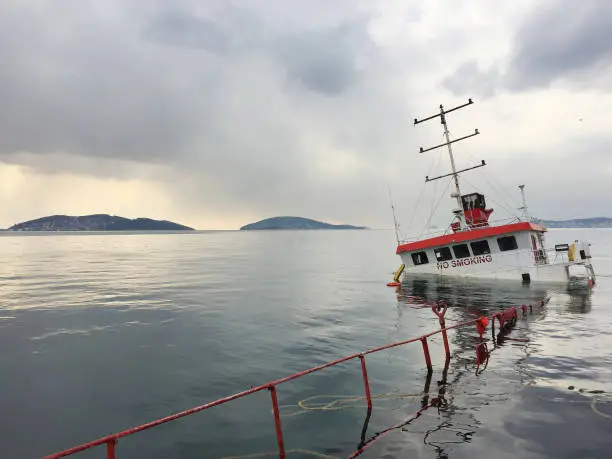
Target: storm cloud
(561,40)
(251,109)
(558,42)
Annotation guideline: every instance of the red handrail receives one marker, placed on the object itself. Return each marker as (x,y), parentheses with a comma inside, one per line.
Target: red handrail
(439,309)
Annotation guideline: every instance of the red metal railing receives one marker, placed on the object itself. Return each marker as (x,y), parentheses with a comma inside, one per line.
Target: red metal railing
(506,319)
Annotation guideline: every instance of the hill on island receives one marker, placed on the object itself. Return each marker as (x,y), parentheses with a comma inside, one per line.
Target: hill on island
(97,222)
(594,222)
(293,223)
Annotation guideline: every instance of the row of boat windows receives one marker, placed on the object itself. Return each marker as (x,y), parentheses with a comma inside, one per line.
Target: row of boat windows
(462,251)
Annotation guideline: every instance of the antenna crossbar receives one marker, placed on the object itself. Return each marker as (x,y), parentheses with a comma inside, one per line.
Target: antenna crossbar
(443,112)
(482,164)
(424,150)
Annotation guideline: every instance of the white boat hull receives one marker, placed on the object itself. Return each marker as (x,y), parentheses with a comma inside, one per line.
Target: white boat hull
(490,267)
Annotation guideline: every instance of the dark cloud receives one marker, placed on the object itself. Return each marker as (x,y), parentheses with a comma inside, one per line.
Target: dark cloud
(559,41)
(470,79)
(160,84)
(87,90)
(319,57)
(324,60)
(248,104)
(180,28)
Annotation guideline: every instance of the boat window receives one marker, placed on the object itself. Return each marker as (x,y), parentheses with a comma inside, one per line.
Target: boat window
(461,251)
(419,258)
(480,248)
(507,243)
(443,254)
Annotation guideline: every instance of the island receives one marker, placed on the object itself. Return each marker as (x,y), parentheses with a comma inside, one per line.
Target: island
(97,222)
(294,223)
(593,222)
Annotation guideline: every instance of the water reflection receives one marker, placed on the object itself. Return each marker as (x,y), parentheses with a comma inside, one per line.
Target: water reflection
(439,398)
(579,302)
(473,294)
(482,296)
(449,410)
(458,418)
(438,402)
(134,328)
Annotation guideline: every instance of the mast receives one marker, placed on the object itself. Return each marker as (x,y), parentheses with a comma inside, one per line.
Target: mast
(455,173)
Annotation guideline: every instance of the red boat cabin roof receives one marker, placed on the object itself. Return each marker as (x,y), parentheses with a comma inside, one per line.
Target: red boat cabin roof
(463,236)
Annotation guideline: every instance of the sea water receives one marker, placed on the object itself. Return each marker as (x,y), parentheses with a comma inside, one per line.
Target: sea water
(102,332)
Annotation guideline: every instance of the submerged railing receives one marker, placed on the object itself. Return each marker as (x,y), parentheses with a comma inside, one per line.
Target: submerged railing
(506,319)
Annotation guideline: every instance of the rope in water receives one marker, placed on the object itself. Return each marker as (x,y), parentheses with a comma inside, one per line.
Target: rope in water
(343,402)
(339,402)
(593,403)
(275,454)
(595,410)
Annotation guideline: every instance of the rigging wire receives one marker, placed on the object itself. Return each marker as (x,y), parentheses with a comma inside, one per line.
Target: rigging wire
(433,200)
(494,176)
(499,190)
(501,204)
(500,194)
(436,207)
(396,225)
(434,165)
(433,197)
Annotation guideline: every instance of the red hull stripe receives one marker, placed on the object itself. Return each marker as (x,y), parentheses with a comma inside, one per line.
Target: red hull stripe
(471,235)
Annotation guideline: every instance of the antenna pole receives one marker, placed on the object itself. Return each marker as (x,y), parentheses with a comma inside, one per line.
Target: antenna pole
(459,213)
(452,159)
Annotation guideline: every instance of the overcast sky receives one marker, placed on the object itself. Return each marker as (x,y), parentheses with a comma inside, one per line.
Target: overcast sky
(215,114)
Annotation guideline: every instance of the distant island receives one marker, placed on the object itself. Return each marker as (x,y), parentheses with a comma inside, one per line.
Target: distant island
(294,223)
(595,222)
(97,222)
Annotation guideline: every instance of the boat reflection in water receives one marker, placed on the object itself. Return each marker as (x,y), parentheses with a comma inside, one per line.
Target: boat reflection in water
(578,300)
(471,295)
(455,398)
(481,296)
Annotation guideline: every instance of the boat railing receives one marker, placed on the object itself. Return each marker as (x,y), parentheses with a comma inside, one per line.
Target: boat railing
(554,256)
(546,256)
(448,230)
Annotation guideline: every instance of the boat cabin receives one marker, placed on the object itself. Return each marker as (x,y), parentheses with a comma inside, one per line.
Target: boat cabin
(477,246)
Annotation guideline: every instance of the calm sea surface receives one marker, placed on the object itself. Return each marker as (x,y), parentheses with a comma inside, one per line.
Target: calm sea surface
(101,332)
